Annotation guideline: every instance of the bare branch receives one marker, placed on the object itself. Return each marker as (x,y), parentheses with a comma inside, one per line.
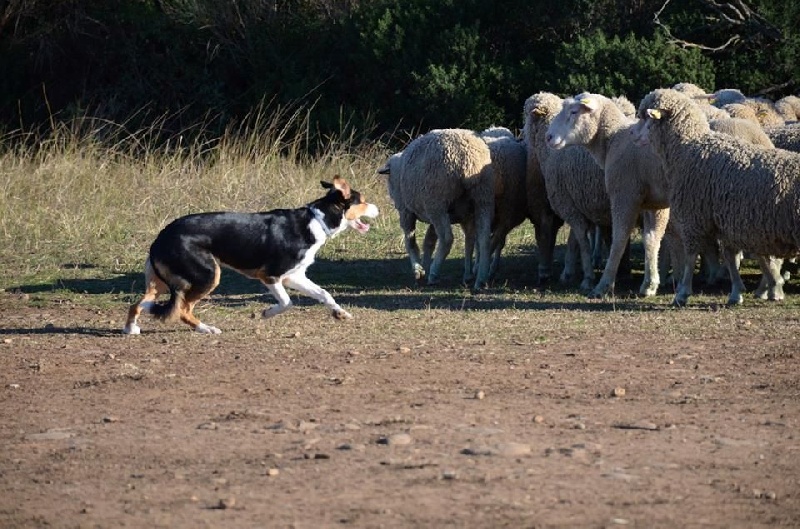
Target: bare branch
(735,16)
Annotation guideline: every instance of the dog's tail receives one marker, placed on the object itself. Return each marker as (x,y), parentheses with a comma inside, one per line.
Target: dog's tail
(171,309)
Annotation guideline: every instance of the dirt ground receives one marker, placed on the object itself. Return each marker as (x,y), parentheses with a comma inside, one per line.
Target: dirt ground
(486,411)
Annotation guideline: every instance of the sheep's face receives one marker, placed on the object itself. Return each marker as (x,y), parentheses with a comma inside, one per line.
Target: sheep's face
(648,119)
(577,123)
(538,112)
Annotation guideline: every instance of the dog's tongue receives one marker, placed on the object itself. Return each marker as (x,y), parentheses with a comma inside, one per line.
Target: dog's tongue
(361,227)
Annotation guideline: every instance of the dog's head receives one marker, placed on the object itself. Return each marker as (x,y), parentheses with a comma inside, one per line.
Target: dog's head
(353,203)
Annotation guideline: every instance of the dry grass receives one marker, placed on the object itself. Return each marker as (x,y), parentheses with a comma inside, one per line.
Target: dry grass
(93,195)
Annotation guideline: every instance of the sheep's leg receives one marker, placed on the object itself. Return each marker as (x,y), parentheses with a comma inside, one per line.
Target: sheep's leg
(408,223)
(444,234)
(579,232)
(598,247)
(670,256)
(655,224)
(737,286)
(624,220)
(571,257)
(469,248)
(428,245)
(484,210)
(685,284)
(771,285)
(546,231)
(497,243)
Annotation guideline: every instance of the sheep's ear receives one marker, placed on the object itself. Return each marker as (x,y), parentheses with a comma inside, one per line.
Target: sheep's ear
(590,103)
(384,169)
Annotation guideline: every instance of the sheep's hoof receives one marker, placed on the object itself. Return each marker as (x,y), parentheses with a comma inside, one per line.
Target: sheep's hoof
(776,294)
(648,291)
(679,302)
(734,300)
(599,294)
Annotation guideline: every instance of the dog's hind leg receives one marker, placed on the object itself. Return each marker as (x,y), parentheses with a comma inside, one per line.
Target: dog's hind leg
(305,286)
(198,291)
(153,288)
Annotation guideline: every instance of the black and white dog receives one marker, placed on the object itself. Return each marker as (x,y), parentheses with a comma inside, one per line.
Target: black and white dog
(275,247)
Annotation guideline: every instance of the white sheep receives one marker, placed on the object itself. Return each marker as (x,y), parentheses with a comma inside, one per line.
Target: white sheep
(750,131)
(509,158)
(428,180)
(634,180)
(574,182)
(765,110)
(721,188)
(540,212)
(702,98)
(510,199)
(788,107)
(786,137)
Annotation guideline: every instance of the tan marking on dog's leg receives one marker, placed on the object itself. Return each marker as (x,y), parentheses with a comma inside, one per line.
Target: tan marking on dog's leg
(154,287)
(187,307)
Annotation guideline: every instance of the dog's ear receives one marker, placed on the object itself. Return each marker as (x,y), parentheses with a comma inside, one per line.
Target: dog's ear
(326,185)
(342,185)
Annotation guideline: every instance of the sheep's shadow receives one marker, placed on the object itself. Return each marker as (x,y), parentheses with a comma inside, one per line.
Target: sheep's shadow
(387,284)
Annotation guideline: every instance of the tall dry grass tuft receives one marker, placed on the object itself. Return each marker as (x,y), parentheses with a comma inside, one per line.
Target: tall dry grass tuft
(94,195)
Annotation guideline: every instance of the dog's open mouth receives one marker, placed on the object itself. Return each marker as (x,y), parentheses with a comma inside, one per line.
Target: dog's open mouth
(365,210)
(359,225)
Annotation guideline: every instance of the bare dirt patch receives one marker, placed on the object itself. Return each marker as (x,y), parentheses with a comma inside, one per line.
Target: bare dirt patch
(497,410)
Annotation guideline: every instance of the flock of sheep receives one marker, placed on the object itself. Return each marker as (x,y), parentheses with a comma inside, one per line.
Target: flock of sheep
(712,175)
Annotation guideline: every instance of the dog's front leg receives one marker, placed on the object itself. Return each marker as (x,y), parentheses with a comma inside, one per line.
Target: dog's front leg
(280,294)
(305,286)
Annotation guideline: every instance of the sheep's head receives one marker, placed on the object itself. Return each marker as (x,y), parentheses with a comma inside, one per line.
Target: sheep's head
(668,109)
(387,167)
(577,122)
(541,107)
(725,96)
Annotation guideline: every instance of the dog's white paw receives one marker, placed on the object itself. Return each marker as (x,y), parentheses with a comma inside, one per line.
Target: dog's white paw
(341,314)
(131,329)
(202,328)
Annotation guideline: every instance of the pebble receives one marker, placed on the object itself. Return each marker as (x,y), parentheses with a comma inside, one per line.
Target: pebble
(538,419)
(638,425)
(7,340)
(110,418)
(49,435)
(273,472)
(208,426)
(449,474)
(480,395)
(513,449)
(226,503)
(619,392)
(397,439)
